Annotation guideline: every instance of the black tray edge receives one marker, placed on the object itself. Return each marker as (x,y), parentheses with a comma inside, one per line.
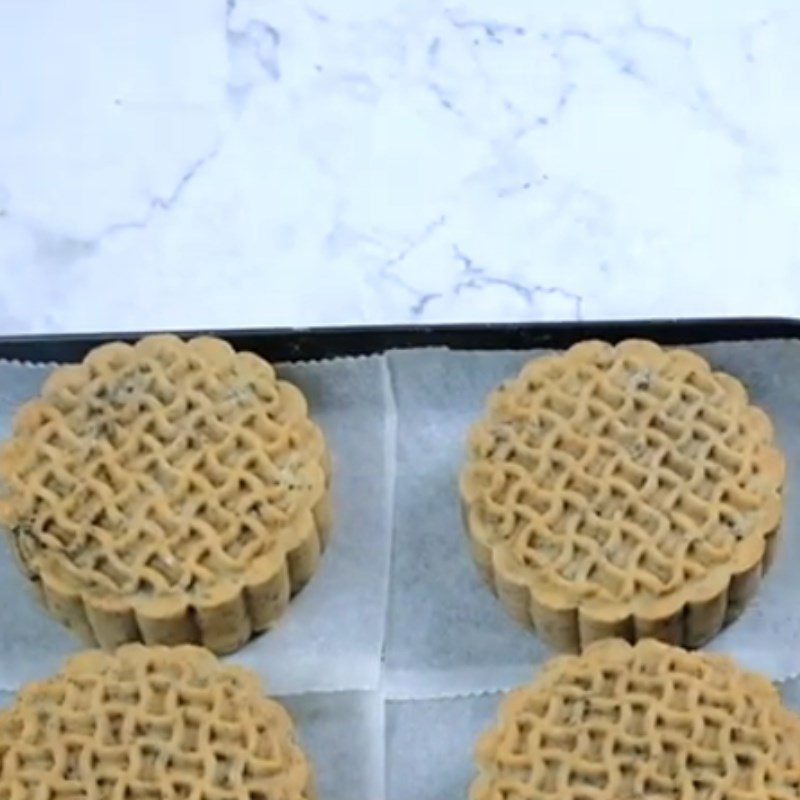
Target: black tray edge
(297,344)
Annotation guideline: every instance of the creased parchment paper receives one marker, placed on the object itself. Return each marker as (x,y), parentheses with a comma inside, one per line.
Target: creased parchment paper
(446,634)
(342,734)
(430,745)
(330,637)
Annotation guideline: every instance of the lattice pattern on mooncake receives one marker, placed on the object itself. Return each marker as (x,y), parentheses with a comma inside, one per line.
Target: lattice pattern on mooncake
(651,721)
(170,492)
(147,723)
(623,490)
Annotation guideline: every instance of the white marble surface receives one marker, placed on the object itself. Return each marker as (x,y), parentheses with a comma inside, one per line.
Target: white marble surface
(180,163)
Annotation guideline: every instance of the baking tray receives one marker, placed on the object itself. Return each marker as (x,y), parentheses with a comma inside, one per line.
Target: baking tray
(297,344)
(322,715)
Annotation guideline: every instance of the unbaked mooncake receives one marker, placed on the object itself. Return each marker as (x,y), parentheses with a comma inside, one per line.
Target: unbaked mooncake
(167,492)
(623,490)
(648,722)
(146,723)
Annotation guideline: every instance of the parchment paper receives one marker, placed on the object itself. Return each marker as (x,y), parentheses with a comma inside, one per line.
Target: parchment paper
(446,633)
(331,636)
(430,745)
(431,742)
(342,734)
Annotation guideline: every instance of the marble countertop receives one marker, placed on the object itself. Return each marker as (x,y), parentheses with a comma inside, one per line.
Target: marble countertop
(196,164)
